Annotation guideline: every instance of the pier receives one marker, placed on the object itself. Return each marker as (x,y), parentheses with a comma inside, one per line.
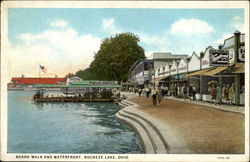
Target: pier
(81,91)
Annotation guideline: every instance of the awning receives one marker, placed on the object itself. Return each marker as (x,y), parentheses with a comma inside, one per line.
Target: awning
(200,72)
(160,78)
(215,71)
(239,68)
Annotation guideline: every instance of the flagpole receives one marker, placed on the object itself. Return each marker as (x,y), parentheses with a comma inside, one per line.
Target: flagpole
(39,73)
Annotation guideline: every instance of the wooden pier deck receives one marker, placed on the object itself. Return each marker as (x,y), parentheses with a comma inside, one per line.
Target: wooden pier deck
(73,99)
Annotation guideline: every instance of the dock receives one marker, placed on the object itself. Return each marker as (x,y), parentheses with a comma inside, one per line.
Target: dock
(87,91)
(73,99)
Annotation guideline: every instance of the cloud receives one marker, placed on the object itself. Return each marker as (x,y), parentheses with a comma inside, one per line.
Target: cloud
(238,24)
(108,25)
(156,42)
(60,51)
(221,40)
(59,23)
(190,26)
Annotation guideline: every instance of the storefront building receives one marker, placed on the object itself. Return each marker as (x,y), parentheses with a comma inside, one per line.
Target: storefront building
(182,71)
(236,47)
(194,66)
(144,72)
(140,72)
(199,70)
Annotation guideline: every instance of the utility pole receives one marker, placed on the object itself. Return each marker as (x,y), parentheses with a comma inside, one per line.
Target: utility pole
(220,77)
(236,75)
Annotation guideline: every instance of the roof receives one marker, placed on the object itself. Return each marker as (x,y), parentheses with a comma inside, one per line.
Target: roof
(166,55)
(22,80)
(139,61)
(94,82)
(77,86)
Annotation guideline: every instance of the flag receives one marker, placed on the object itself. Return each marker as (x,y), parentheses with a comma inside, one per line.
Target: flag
(43,69)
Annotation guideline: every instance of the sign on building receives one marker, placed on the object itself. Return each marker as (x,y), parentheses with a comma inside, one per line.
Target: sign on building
(218,58)
(242,53)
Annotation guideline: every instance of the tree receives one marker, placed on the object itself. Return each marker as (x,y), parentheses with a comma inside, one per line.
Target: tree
(116,56)
(69,75)
(86,74)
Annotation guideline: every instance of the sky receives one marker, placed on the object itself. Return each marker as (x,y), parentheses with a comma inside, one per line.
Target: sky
(65,40)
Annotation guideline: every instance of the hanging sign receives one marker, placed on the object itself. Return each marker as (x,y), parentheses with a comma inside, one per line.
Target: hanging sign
(218,58)
(242,54)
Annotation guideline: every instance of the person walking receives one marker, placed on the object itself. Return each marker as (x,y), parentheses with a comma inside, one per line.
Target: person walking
(136,89)
(231,94)
(185,91)
(190,91)
(153,94)
(218,95)
(166,91)
(194,92)
(147,92)
(171,90)
(179,91)
(158,96)
(226,95)
(139,92)
(175,91)
(213,94)
(162,90)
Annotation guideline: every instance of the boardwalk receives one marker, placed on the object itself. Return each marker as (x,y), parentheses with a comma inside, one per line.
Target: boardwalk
(198,129)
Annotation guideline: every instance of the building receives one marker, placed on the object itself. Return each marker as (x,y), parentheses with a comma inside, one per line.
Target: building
(20,83)
(73,79)
(199,70)
(142,71)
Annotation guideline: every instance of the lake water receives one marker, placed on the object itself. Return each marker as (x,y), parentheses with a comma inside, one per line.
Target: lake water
(66,127)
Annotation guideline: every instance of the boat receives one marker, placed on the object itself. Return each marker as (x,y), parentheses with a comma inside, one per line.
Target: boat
(77,92)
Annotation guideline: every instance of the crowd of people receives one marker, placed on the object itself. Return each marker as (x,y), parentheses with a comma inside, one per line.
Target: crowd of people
(218,95)
(174,90)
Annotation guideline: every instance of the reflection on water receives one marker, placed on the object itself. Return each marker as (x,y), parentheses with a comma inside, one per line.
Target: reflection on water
(66,127)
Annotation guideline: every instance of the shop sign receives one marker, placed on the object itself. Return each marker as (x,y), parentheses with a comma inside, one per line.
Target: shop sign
(205,62)
(183,68)
(218,58)
(242,54)
(231,55)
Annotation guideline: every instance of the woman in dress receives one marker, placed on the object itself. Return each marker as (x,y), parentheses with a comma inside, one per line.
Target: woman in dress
(226,94)
(231,94)
(213,94)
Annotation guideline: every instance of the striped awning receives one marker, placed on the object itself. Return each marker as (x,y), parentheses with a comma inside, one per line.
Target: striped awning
(239,68)
(215,71)
(161,78)
(200,72)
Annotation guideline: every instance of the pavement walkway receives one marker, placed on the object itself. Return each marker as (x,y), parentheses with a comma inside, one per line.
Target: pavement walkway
(195,127)
(223,107)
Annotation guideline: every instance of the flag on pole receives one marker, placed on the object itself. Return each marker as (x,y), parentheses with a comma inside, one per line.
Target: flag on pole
(43,69)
